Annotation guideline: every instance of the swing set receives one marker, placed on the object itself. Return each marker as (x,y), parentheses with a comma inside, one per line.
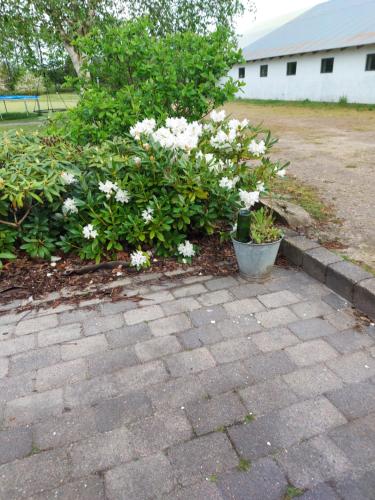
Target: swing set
(35,100)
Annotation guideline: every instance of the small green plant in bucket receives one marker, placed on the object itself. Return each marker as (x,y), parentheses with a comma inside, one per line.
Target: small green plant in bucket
(262,227)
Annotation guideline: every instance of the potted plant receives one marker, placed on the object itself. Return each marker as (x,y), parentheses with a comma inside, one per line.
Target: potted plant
(256,242)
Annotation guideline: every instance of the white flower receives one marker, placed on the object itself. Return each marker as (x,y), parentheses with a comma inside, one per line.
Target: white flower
(122,196)
(147,214)
(68,178)
(209,157)
(186,249)
(138,259)
(146,126)
(257,148)
(234,123)
(89,232)
(177,125)
(244,123)
(178,134)
(108,187)
(260,186)
(55,258)
(217,116)
(69,206)
(209,127)
(137,160)
(227,183)
(249,198)
(281,173)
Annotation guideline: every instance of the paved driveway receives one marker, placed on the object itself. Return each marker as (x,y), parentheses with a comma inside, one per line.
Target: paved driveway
(209,388)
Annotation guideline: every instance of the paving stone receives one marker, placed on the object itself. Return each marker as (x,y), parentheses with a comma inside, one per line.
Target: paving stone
(232,350)
(150,477)
(60,374)
(238,326)
(121,306)
(360,488)
(364,296)
(274,339)
(117,412)
(83,347)
(263,481)
(311,352)
(311,309)
(77,315)
(243,307)
(294,248)
(220,283)
(197,337)
(211,315)
(309,382)
(267,396)
(248,290)
(33,407)
(4,364)
(32,360)
(137,377)
(313,328)
(12,318)
(15,346)
(177,306)
(335,301)
(353,367)
(284,427)
(202,457)
(59,334)
(23,478)
(176,393)
(15,443)
(90,391)
(220,411)
(169,325)
(160,431)
(202,490)
(111,361)
(143,314)
(36,324)
(354,400)
(101,452)
(186,291)
(88,488)
(350,340)
(156,298)
(267,366)
(321,492)
(16,387)
(316,260)
(6,332)
(276,317)
(224,378)
(314,461)
(279,299)
(157,348)
(128,335)
(69,427)
(188,362)
(342,320)
(99,324)
(342,276)
(214,298)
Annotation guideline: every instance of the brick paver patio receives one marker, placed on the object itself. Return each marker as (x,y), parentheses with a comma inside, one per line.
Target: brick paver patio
(208,388)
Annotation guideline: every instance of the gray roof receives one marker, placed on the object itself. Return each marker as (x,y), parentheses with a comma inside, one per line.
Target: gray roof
(330,25)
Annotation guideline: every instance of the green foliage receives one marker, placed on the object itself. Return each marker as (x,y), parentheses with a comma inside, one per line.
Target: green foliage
(262,227)
(293,492)
(244,465)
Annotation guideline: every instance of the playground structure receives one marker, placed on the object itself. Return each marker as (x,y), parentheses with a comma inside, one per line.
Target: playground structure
(50,104)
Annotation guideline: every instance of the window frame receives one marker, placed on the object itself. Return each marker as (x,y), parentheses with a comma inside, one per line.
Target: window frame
(261,67)
(291,64)
(370,57)
(323,63)
(240,70)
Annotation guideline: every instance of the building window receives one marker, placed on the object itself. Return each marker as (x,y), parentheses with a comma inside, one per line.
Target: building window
(291,68)
(264,70)
(241,72)
(370,62)
(327,65)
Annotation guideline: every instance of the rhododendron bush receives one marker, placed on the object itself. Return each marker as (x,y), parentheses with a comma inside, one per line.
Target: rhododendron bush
(155,191)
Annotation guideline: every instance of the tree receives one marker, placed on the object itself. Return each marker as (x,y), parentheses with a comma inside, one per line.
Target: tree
(54,24)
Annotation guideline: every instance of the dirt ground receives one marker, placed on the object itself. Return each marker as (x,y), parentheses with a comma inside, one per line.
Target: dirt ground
(332,149)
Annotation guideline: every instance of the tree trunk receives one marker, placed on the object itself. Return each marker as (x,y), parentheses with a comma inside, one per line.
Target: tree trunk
(75,57)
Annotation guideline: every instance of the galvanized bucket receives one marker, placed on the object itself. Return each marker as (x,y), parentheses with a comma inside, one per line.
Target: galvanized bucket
(256,261)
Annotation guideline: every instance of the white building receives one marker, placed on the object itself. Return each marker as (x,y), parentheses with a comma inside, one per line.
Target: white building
(325,54)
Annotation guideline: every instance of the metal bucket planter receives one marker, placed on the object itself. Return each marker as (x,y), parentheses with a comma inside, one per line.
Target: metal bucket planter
(256,261)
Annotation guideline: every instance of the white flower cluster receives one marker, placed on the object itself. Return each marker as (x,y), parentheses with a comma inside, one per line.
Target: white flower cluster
(89,232)
(68,178)
(109,187)
(186,249)
(225,139)
(146,127)
(281,173)
(249,198)
(147,214)
(257,148)
(217,116)
(69,206)
(138,259)
(227,183)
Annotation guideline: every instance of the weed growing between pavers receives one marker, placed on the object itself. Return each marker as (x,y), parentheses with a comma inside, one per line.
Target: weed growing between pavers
(244,465)
(293,492)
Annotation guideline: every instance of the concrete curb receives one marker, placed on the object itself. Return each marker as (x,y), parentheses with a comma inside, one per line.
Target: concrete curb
(346,279)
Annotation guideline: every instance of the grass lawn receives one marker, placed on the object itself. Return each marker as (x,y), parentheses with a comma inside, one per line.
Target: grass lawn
(308,104)
(16,109)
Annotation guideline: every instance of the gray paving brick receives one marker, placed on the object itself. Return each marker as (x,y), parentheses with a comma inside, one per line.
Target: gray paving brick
(274,339)
(279,299)
(233,350)
(350,340)
(364,295)
(321,492)
(276,317)
(197,337)
(186,363)
(16,387)
(4,364)
(88,488)
(143,479)
(342,276)
(83,347)
(128,335)
(188,290)
(157,348)
(77,315)
(98,324)
(210,315)
(224,378)
(177,392)
(202,457)
(248,290)
(214,298)
(117,412)
(147,313)
(101,452)
(177,306)
(34,407)
(313,328)
(315,262)
(295,246)
(6,331)
(203,489)
(169,325)
(59,334)
(264,480)
(32,360)
(91,391)
(111,361)
(335,301)
(220,411)
(309,382)
(60,374)
(354,400)
(311,352)
(220,283)
(342,320)
(121,306)
(15,443)
(36,324)
(23,478)
(238,326)
(267,366)
(353,367)
(311,309)
(315,461)
(267,396)
(15,346)
(69,427)
(137,377)
(361,488)
(243,307)
(285,427)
